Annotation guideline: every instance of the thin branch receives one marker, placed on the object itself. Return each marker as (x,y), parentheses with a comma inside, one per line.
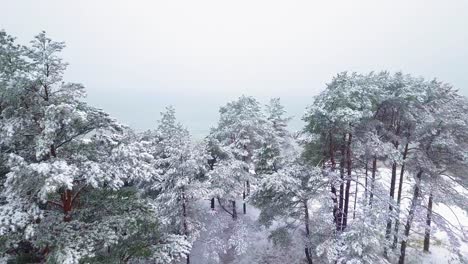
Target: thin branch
(55,203)
(222,206)
(84,132)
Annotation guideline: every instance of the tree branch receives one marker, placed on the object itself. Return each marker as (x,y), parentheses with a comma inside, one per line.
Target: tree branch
(55,203)
(222,206)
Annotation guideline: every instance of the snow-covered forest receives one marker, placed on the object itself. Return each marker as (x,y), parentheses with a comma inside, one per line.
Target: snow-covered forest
(379,174)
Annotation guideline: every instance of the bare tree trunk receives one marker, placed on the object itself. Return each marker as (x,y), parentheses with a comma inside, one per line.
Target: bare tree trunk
(355,197)
(67,202)
(365,181)
(211,163)
(307,249)
(342,186)
(246,185)
(184,215)
(234,210)
(400,188)
(409,220)
(243,199)
(308,257)
(427,231)
(348,181)
(333,189)
(335,206)
(388,231)
(374,169)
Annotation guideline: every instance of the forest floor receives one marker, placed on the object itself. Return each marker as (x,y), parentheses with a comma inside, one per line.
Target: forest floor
(245,241)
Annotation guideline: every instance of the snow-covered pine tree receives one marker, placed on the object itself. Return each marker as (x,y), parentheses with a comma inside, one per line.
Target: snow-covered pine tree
(347,100)
(439,154)
(285,199)
(234,143)
(278,143)
(181,167)
(64,197)
(383,112)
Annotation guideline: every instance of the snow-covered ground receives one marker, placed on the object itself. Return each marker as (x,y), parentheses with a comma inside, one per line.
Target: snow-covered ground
(215,244)
(249,238)
(441,248)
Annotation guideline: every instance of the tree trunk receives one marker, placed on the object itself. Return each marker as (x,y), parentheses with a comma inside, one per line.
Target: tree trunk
(388,230)
(335,205)
(365,181)
(308,257)
(212,203)
(348,181)
(243,199)
(342,172)
(427,232)
(67,202)
(374,169)
(400,188)
(184,215)
(333,189)
(234,210)
(246,189)
(409,220)
(245,194)
(67,195)
(53,151)
(306,223)
(355,197)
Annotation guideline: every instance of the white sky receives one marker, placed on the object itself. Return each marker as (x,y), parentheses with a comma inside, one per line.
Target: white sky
(136,57)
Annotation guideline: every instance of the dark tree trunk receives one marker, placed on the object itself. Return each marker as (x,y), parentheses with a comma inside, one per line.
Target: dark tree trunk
(333,189)
(348,181)
(234,210)
(335,207)
(53,151)
(409,220)
(342,186)
(243,198)
(306,223)
(67,203)
(211,163)
(308,257)
(396,124)
(365,181)
(355,197)
(374,170)
(184,215)
(427,232)
(246,189)
(245,194)
(388,230)
(400,188)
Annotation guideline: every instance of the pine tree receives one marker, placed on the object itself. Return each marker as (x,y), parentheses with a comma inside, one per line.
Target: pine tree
(65,162)
(235,145)
(288,194)
(180,166)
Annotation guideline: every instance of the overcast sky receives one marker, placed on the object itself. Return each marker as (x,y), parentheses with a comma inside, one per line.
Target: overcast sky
(136,57)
